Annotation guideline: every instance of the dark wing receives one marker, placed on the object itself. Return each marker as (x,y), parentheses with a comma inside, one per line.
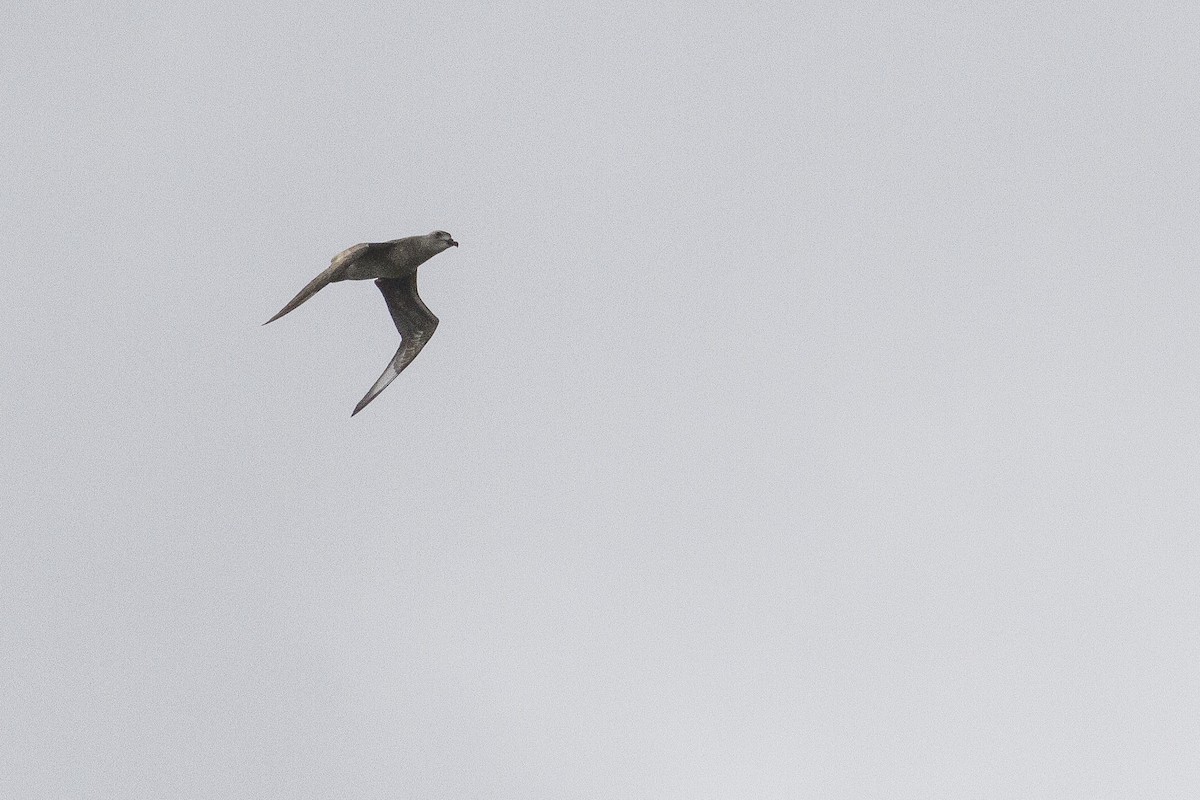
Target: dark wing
(415,322)
(336,271)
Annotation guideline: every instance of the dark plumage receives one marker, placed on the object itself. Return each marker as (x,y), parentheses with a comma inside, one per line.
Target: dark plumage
(393,265)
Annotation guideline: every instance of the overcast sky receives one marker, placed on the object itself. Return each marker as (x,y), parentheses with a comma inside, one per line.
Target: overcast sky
(813,411)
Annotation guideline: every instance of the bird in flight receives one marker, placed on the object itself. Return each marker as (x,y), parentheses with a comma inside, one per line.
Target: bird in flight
(393,265)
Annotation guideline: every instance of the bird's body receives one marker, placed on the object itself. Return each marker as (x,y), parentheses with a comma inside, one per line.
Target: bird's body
(393,265)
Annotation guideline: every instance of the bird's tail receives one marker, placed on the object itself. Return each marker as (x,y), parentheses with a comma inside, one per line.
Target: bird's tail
(333,274)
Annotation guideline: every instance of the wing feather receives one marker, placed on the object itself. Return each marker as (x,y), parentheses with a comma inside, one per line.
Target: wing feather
(415,322)
(336,271)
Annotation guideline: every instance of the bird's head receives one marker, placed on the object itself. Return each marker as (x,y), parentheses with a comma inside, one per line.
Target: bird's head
(443,240)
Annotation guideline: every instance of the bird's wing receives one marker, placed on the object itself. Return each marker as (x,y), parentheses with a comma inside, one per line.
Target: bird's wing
(349,254)
(336,271)
(415,322)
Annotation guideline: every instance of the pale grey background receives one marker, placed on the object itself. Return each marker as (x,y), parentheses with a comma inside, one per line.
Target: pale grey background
(813,412)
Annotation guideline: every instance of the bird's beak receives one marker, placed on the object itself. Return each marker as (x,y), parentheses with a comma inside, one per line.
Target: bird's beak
(453,243)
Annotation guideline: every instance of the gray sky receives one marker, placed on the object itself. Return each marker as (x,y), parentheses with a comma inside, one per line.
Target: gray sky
(813,412)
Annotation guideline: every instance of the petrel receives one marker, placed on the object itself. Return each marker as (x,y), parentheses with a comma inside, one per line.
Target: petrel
(393,265)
